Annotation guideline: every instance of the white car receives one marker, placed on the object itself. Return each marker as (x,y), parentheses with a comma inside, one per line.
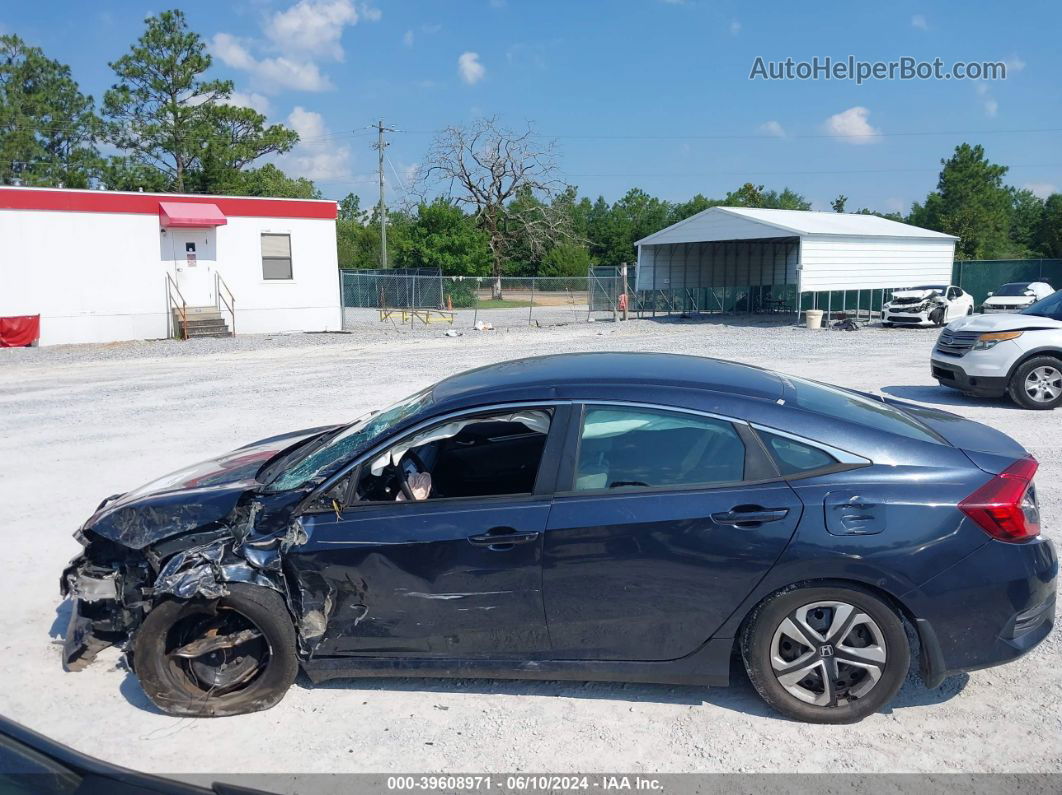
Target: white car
(1015,296)
(1017,354)
(928,305)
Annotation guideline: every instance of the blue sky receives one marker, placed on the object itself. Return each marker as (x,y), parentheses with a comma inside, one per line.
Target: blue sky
(645,93)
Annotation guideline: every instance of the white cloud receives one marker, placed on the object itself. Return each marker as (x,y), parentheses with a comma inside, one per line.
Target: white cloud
(772,128)
(991,108)
(988,102)
(231,52)
(919,22)
(1014,65)
(317,156)
(851,126)
(248,100)
(735,27)
(407,38)
(313,28)
(895,205)
(269,74)
(470,69)
(295,39)
(1041,189)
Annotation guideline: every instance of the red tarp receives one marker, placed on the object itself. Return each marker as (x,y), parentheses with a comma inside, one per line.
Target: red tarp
(16,332)
(185,214)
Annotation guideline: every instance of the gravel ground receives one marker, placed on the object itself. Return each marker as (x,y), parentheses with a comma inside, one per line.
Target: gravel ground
(80,422)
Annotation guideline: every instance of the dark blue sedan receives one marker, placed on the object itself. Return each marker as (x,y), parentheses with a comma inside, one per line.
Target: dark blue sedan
(607,516)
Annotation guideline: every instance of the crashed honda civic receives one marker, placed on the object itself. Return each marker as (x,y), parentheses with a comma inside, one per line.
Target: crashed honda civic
(600,516)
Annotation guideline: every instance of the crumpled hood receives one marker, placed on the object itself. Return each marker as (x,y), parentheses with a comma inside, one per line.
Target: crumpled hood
(1001,322)
(189,498)
(920,294)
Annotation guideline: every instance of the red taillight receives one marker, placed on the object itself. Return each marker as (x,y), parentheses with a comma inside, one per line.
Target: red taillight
(1006,505)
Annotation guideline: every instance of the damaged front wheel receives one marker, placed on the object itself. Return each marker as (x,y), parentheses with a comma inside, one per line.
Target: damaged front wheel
(217,657)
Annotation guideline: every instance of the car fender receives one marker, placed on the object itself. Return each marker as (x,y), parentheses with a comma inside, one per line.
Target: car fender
(1041,350)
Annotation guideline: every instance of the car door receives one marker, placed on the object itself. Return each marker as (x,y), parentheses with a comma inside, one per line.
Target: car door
(959,303)
(666,521)
(450,577)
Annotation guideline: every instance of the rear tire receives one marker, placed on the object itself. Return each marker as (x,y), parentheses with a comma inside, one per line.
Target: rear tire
(1037,383)
(251,675)
(849,645)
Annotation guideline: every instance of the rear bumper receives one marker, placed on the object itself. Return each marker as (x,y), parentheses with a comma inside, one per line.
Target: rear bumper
(990,608)
(955,377)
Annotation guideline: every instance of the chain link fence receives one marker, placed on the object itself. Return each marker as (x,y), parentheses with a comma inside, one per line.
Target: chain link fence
(427,298)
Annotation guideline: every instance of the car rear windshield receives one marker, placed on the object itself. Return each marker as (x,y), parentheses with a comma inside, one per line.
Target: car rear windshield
(852,407)
(1014,288)
(1047,307)
(317,459)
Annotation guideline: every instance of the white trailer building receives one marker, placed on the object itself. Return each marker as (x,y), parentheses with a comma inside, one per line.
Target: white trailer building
(743,259)
(99,266)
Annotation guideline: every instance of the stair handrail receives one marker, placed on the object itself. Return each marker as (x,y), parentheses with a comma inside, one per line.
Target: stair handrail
(229,304)
(182,307)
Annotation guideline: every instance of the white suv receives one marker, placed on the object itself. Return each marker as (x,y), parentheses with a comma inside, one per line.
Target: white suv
(1006,354)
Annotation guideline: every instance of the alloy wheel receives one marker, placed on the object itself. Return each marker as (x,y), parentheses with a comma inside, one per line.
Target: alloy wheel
(1043,384)
(828,653)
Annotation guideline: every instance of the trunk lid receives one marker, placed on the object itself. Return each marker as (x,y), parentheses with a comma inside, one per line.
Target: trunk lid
(988,449)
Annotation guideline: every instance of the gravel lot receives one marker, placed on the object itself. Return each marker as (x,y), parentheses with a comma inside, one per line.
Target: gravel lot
(81,422)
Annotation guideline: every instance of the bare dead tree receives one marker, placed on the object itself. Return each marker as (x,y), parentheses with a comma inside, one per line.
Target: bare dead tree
(506,179)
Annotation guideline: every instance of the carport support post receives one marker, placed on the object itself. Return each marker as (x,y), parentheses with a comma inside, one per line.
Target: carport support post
(829,308)
(623,292)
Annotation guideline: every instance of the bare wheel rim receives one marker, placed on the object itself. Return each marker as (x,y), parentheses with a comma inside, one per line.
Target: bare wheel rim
(1043,384)
(828,653)
(219,652)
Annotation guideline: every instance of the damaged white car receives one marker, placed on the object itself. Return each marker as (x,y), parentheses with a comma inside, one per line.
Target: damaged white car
(1015,296)
(927,305)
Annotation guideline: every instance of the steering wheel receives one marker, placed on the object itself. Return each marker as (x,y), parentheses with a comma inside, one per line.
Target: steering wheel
(403,482)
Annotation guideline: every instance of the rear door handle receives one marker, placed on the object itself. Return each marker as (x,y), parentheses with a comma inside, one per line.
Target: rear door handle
(502,538)
(750,517)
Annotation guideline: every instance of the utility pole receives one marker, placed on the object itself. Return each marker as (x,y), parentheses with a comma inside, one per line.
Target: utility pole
(381,145)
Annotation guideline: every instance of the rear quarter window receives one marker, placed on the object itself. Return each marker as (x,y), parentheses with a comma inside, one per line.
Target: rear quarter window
(796,458)
(850,407)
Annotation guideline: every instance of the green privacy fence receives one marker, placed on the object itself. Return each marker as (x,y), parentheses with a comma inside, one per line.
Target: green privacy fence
(980,277)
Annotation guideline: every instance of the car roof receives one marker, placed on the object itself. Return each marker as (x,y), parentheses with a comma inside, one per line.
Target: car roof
(574,374)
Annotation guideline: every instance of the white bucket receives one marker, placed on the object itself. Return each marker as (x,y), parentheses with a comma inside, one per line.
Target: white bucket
(814,318)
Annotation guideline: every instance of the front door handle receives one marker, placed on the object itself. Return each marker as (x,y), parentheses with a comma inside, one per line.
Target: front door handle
(501,538)
(749,516)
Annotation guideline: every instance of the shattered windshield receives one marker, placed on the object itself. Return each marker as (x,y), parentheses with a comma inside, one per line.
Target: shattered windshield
(348,440)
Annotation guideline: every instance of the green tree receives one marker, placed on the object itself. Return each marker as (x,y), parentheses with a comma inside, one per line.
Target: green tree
(1049,235)
(1026,215)
(48,128)
(749,195)
(971,202)
(839,203)
(443,236)
(164,114)
(566,259)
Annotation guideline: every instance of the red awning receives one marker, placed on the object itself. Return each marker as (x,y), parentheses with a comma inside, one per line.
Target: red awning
(190,214)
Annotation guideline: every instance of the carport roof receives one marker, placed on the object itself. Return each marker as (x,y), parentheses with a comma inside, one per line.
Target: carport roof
(743,223)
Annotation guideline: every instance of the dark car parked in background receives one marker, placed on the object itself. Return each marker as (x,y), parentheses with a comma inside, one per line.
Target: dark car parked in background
(627,517)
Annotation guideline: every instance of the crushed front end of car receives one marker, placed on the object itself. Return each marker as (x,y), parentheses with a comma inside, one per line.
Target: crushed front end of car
(915,308)
(189,535)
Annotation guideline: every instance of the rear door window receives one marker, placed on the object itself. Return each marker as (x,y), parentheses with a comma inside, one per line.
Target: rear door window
(629,448)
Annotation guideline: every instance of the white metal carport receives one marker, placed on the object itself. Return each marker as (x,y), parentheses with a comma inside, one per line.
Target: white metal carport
(746,259)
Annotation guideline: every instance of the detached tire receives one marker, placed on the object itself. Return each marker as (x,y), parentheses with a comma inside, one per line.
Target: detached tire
(218,657)
(1037,383)
(825,654)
